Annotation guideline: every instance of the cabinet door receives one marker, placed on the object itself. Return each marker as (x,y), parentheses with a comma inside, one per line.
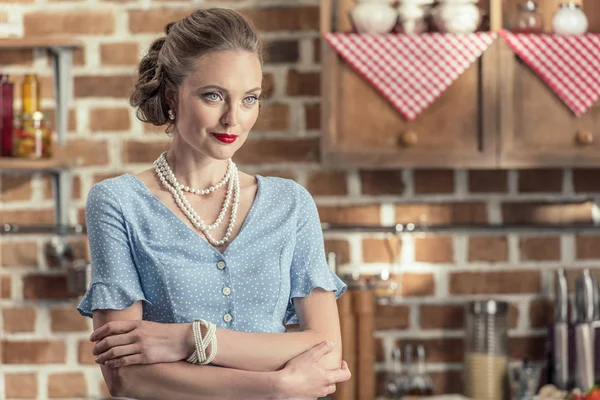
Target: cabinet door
(537,128)
(362,129)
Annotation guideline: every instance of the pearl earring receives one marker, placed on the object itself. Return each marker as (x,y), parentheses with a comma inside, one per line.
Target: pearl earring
(171,114)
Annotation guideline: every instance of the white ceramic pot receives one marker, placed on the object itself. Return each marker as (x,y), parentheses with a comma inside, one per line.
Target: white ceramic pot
(569,20)
(373,16)
(411,16)
(457,16)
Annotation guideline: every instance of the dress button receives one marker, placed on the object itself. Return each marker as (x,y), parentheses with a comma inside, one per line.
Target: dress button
(227,317)
(221,265)
(226,291)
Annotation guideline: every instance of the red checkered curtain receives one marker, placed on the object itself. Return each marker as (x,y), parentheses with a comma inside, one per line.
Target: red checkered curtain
(411,72)
(570,65)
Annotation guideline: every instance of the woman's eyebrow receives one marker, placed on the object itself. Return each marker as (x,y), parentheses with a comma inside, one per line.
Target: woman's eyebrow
(225,90)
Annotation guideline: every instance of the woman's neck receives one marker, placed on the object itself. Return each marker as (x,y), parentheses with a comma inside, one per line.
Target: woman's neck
(194,169)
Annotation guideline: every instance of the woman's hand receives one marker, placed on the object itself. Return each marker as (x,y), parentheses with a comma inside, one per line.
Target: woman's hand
(302,377)
(120,343)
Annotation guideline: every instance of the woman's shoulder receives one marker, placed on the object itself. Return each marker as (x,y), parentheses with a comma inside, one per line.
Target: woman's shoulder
(283,188)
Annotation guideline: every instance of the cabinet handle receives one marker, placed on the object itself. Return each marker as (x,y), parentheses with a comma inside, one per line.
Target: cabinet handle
(409,138)
(584,138)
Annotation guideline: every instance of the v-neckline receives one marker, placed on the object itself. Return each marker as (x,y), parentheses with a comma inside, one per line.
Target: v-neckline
(251,212)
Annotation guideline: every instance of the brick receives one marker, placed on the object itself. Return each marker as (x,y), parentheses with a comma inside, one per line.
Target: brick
(433,181)
(68,22)
(18,254)
(89,152)
(327,183)
(33,352)
(341,248)
(586,180)
(434,249)
(46,86)
(46,287)
(15,187)
(49,193)
(488,248)
(154,20)
(587,247)
(488,181)
(540,180)
(50,114)
(84,352)
(119,53)
(446,213)
(313,116)
(278,151)
(381,250)
(392,317)
(381,182)
(70,384)
(282,51)
(27,217)
(79,251)
(78,53)
(505,282)
(5,288)
(271,19)
(109,119)
(115,86)
(18,320)
(530,347)
(273,117)
(317,50)
(447,350)
(142,152)
(415,284)
(442,316)
(359,214)
(67,320)
(16,57)
(268,86)
(303,83)
(21,385)
(546,213)
(541,248)
(541,313)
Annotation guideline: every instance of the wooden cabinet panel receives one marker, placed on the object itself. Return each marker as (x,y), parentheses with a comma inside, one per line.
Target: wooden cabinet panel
(363,129)
(537,128)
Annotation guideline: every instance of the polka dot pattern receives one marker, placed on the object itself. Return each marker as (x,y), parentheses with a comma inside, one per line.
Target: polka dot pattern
(142,251)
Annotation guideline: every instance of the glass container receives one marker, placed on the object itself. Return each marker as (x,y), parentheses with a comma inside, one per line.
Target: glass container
(528,19)
(420,382)
(30,90)
(486,342)
(6,116)
(32,137)
(397,381)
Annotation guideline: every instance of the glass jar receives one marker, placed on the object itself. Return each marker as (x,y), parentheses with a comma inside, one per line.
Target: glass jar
(486,343)
(30,92)
(6,116)
(32,137)
(528,18)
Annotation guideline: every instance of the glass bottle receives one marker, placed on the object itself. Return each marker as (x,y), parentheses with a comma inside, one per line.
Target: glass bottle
(396,383)
(421,383)
(528,19)
(6,116)
(32,137)
(30,90)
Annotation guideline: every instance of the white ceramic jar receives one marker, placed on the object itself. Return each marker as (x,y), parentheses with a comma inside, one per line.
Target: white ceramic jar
(457,16)
(411,16)
(569,20)
(373,16)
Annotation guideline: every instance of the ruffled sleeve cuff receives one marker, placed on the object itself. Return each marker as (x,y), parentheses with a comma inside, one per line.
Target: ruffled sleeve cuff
(102,296)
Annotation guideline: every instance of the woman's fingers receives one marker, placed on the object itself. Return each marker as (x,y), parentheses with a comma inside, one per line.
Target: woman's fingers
(338,375)
(321,349)
(126,360)
(113,328)
(112,342)
(117,352)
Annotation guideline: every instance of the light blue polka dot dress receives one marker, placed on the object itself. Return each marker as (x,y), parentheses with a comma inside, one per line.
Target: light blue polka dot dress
(140,250)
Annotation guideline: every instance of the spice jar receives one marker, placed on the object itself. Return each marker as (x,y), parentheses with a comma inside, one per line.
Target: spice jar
(6,116)
(30,90)
(528,19)
(486,343)
(32,137)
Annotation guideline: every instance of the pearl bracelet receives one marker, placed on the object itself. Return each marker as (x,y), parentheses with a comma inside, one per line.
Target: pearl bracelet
(201,344)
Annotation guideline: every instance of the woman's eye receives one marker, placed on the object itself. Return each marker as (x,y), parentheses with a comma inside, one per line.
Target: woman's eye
(251,100)
(212,96)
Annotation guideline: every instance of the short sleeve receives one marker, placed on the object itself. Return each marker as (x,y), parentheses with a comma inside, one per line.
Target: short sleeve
(309,267)
(115,283)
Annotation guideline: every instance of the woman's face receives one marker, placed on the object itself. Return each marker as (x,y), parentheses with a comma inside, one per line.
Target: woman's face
(217,104)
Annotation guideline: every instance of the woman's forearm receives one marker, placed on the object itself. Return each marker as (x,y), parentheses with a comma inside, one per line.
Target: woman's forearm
(184,381)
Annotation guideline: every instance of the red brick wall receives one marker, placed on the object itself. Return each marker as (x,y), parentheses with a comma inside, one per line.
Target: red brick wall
(44,350)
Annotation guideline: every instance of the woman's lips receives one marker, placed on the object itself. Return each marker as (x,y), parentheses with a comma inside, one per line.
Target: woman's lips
(225,138)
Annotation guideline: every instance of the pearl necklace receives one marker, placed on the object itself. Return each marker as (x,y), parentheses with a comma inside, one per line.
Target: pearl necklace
(169,181)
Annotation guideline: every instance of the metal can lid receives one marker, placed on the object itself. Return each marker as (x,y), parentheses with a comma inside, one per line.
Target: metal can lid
(488,307)
(37,116)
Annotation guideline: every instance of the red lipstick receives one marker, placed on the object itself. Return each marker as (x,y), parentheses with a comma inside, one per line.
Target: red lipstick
(225,138)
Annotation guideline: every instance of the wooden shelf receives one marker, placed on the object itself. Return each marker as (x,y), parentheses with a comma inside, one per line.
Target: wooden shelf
(37,42)
(8,164)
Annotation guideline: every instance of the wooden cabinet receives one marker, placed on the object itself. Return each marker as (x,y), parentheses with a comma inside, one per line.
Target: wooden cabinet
(536,127)
(361,128)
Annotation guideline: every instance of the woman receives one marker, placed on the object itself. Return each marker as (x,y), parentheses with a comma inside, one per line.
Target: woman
(157,265)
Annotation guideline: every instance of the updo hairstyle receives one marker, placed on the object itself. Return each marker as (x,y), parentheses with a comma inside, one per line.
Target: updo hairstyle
(173,57)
